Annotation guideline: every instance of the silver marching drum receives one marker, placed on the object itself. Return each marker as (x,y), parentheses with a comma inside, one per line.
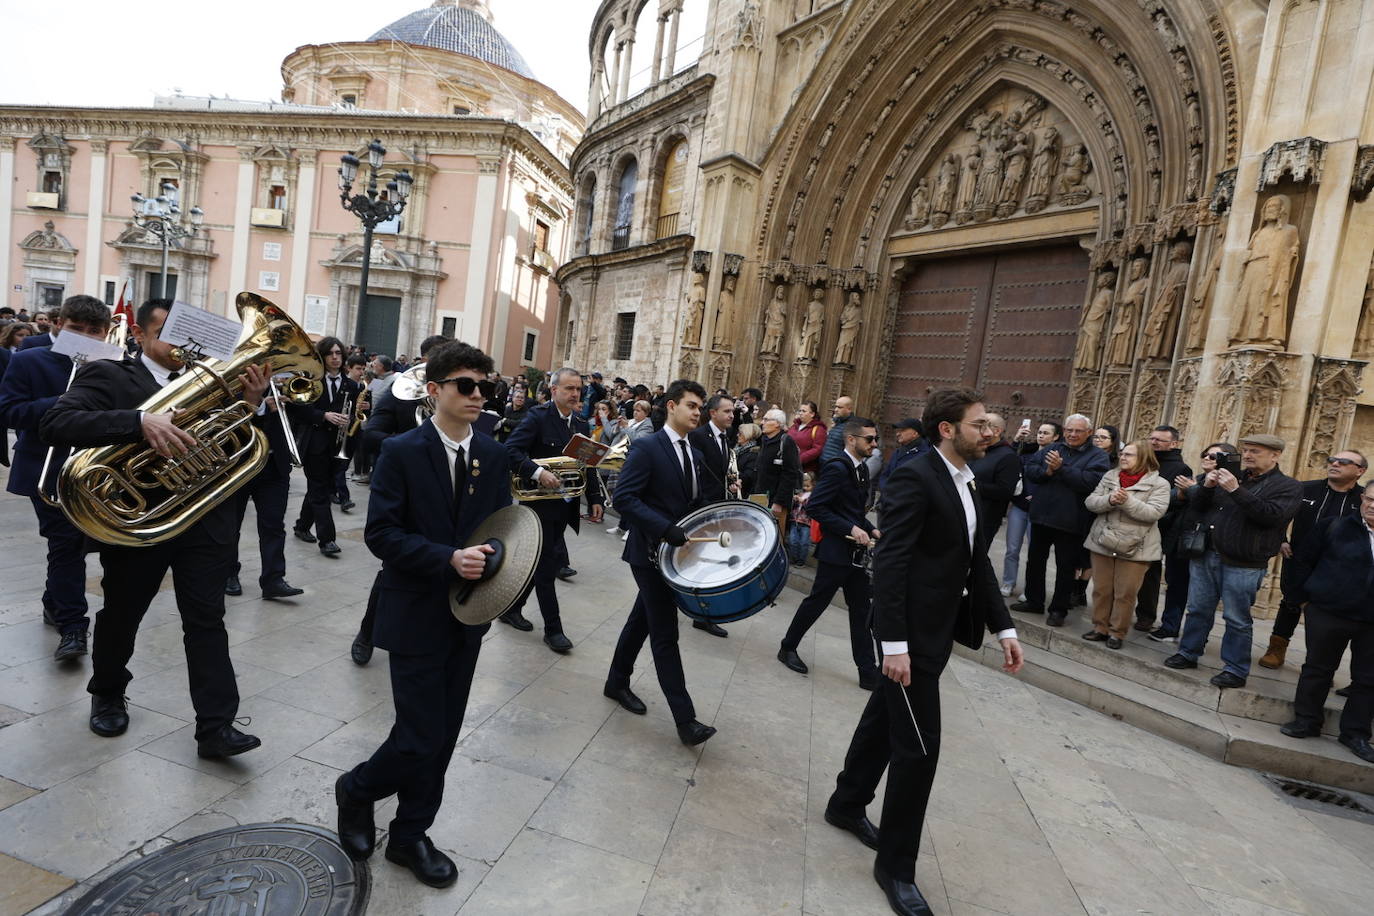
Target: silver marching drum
(732,566)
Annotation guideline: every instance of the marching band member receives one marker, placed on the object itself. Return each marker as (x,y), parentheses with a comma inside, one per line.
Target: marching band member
(101,408)
(355,367)
(269,491)
(662,480)
(36,378)
(319,443)
(838,503)
(544,433)
(716,441)
(442,463)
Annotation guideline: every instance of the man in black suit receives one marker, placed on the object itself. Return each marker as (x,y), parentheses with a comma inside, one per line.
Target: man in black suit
(837,502)
(36,378)
(716,441)
(318,434)
(268,491)
(662,480)
(544,433)
(102,408)
(933,584)
(431,488)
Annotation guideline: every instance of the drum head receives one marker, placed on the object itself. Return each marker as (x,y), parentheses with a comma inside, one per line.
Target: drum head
(695,566)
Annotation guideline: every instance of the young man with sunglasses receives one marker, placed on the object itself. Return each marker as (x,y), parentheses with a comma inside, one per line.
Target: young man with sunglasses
(1335,495)
(318,440)
(837,503)
(444,463)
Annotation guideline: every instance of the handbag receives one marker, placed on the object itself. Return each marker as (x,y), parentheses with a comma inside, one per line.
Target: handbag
(1193,544)
(1121,543)
(815,531)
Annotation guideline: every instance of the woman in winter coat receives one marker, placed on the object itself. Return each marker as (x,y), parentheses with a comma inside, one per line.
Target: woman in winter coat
(1124,539)
(809,432)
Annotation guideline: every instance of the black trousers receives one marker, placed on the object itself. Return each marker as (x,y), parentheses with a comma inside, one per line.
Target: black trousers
(370,613)
(1290,611)
(319,487)
(886,739)
(1067,547)
(1327,637)
(200,567)
(269,492)
(430,693)
(858,590)
(64,590)
(553,558)
(1173,571)
(654,617)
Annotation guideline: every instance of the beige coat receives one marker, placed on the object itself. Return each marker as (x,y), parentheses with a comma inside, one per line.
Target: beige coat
(1133,523)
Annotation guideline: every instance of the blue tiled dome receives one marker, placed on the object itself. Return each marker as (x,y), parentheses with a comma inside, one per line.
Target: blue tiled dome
(457,26)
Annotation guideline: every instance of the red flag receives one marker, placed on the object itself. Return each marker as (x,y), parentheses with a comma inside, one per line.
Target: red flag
(122,307)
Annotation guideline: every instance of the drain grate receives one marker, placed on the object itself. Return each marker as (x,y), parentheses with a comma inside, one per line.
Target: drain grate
(1307,792)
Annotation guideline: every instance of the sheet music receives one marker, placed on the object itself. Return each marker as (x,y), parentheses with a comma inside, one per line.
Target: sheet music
(215,335)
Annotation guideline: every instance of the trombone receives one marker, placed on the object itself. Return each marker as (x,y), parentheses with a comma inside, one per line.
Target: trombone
(290,434)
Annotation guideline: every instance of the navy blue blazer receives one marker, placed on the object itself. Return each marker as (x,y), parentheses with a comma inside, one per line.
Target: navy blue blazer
(837,502)
(36,340)
(34,381)
(544,434)
(412,529)
(651,494)
(717,467)
(1334,568)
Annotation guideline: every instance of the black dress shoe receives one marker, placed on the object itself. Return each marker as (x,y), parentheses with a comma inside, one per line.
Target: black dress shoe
(1300,729)
(1227,679)
(281,589)
(693,732)
(567,572)
(792,660)
(903,896)
(304,535)
(1343,692)
(361,651)
(1113,642)
(1179,661)
(707,626)
(860,826)
(347,505)
(517,620)
(330,549)
(869,680)
(73,645)
(233,588)
(109,716)
(625,697)
(1360,747)
(558,643)
(226,741)
(1094,636)
(357,830)
(427,864)
(1025,607)
(1055,618)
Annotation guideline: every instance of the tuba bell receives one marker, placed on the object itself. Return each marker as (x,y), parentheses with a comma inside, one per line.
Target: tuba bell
(129,495)
(410,386)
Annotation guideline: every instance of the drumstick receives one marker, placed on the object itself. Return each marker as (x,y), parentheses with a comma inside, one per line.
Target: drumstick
(723,539)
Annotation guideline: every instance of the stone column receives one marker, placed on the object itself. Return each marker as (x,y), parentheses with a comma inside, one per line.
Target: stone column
(613,87)
(95,217)
(302,219)
(656,74)
(594,92)
(6,209)
(670,59)
(626,65)
(479,254)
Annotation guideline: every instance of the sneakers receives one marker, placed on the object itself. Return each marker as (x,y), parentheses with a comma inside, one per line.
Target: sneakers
(1179,661)
(1159,634)
(1007,590)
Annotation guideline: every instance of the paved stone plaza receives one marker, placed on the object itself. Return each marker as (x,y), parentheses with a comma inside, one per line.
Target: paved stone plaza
(560,802)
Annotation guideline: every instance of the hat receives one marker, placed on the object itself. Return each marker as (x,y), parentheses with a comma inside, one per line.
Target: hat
(596,375)
(1267,440)
(911,423)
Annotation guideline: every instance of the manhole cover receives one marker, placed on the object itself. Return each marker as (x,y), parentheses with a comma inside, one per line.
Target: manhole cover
(260,869)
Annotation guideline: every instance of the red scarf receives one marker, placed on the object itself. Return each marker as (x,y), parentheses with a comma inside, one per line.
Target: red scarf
(1129,480)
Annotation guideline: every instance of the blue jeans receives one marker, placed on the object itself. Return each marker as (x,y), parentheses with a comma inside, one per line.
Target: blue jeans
(798,542)
(1018,523)
(1210,582)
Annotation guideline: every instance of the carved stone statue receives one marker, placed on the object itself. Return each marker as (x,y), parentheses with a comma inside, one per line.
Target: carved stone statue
(989,179)
(1261,303)
(774,319)
(1086,354)
(946,183)
(1127,313)
(725,311)
(1042,170)
(968,183)
(918,212)
(810,343)
(1364,335)
(1018,158)
(850,319)
(1202,293)
(1162,324)
(1192,186)
(696,310)
(1072,187)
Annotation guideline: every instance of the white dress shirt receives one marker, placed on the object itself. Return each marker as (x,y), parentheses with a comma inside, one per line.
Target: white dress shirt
(674,439)
(160,373)
(451,449)
(1371,537)
(962,478)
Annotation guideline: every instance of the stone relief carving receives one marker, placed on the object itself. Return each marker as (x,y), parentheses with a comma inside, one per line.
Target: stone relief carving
(725,311)
(1162,325)
(1335,386)
(1271,260)
(1072,185)
(774,320)
(1042,171)
(696,311)
(918,210)
(1128,311)
(1223,191)
(1251,384)
(946,182)
(1302,159)
(1014,176)
(1115,387)
(810,343)
(46,239)
(1364,335)
(1149,402)
(1203,292)
(850,319)
(1185,388)
(1087,354)
(1362,181)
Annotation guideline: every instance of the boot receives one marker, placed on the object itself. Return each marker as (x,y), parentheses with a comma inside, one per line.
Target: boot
(1278,648)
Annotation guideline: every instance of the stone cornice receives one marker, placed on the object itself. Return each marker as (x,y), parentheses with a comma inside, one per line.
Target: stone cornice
(649,252)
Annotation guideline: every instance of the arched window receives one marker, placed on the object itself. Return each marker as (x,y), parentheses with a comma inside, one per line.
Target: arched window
(625,206)
(674,184)
(587,219)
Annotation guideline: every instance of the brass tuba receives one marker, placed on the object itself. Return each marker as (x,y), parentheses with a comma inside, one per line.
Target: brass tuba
(129,495)
(571,474)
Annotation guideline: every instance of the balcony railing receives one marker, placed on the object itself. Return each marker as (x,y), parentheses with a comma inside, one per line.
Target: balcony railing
(667,225)
(620,238)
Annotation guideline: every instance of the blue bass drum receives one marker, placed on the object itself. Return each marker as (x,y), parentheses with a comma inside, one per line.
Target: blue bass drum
(718,584)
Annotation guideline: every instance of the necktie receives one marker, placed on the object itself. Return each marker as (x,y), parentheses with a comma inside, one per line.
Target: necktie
(863,476)
(173,375)
(687,476)
(460,479)
(724,453)
(333,391)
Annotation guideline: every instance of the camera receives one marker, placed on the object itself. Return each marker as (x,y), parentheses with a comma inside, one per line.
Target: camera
(1229,463)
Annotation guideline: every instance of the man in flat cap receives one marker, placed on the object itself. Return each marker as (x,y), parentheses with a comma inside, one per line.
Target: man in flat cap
(1246,517)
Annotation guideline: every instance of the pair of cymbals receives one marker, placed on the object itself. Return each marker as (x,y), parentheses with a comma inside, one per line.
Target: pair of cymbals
(516,538)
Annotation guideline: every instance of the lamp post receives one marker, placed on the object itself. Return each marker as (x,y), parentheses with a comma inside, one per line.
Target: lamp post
(162,217)
(371,210)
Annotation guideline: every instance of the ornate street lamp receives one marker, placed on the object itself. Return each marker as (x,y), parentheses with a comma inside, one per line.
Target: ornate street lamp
(371,210)
(162,217)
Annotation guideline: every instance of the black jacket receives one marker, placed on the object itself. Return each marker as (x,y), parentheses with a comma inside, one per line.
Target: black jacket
(1334,568)
(778,469)
(314,434)
(1171,465)
(1058,501)
(544,434)
(1248,526)
(716,467)
(997,473)
(747,457)
(1319,501)
(837,504)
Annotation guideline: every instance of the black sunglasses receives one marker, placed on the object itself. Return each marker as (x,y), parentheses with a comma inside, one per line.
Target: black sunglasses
(1215,456)
(1343,461)
(467,386)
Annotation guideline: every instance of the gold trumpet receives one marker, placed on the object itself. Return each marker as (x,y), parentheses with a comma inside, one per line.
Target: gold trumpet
(131,496)
(571,474)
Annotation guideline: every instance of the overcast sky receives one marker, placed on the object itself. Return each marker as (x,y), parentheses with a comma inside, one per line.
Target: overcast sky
(94,52)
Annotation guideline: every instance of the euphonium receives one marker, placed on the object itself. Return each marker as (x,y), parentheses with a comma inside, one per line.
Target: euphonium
(131,496)
(571,474)
(410,386)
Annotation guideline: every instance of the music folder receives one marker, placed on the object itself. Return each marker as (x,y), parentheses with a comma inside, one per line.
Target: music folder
(586,449)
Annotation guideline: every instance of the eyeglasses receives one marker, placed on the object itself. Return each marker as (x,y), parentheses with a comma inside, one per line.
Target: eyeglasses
(982,425)
(866,438)
(466,386)
(1343,462)
(1102,436)
(1215,456)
